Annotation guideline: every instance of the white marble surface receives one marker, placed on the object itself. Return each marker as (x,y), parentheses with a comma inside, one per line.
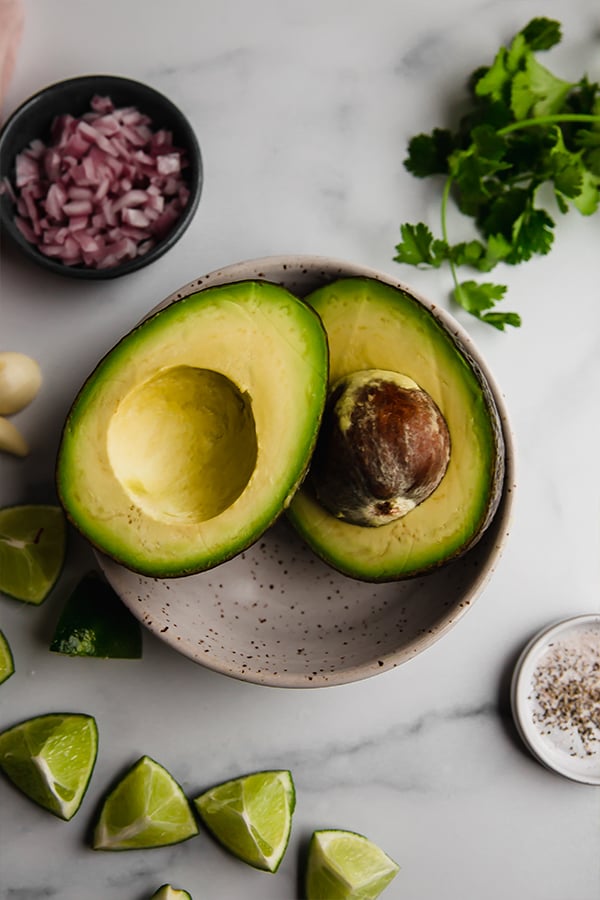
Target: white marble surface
(303,111)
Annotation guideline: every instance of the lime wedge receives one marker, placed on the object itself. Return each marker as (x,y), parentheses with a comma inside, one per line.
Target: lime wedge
(167,892)
(95,622)
(51,758)
(251,816)
(32,550)
(7,665)
(147,808)
(343,865)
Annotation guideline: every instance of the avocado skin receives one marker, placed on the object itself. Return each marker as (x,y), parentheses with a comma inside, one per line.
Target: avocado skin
(371,324)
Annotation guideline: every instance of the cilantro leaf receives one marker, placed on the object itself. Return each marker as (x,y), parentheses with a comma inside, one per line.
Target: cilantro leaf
(483,256)
(494,80)
(499,214)
(542,33)
(564,168)
(477,297)
(467,253)
(588,199)
(589,142)
(567,174)
(495,114)
(532,234)
(473,176)
(488,143)
(428,153)
(497,248)
(419,248)
(500,319)
(537,92)
(584,97)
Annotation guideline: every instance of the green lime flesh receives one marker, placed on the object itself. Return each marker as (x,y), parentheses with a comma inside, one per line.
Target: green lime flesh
(147,808)
(32,550)
(251,816)
(343,865)
(50,758)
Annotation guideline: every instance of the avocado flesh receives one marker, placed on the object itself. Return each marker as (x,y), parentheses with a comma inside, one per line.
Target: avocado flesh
(191,435)
(371,325)
(200,410)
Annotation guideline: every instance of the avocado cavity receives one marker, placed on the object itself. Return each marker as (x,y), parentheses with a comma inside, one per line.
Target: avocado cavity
(183,444)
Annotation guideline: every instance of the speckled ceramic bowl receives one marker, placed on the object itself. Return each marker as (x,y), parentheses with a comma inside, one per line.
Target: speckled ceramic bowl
(276,614)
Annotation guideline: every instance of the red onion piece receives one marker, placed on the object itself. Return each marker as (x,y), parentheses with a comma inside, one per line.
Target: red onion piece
(105,189)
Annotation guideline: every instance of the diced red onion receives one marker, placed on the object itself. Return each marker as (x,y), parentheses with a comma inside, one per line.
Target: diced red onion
(105,189)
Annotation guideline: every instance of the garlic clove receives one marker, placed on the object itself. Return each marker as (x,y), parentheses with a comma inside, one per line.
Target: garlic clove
(11,439)
(20,380)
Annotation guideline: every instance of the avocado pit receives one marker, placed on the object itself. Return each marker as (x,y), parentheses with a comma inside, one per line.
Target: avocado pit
(383,448)
(183,444)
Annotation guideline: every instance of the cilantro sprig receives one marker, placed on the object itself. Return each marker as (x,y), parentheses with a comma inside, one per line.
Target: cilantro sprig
(525,128)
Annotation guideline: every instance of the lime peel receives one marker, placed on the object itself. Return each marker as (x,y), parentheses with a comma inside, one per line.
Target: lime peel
(7,663)
(251,816)
(95,622)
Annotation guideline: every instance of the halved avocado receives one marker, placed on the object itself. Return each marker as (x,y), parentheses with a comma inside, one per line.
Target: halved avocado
(192,434)
(374,326)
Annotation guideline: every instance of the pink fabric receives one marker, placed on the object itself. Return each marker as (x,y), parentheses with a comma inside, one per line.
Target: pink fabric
(12,18)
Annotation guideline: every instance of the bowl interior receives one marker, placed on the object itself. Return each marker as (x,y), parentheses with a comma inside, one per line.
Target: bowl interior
(33,120)
(276,614)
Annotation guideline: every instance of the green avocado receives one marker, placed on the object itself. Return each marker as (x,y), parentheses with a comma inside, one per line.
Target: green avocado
(374,326)
(190,437)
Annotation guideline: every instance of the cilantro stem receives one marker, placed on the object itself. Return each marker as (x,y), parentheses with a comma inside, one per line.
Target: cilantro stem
(549,120)
(444,225)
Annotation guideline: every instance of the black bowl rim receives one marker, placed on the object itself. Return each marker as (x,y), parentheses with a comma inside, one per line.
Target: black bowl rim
(196,182)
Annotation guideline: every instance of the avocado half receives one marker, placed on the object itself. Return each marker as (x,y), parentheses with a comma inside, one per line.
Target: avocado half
(372,325)
(190,437)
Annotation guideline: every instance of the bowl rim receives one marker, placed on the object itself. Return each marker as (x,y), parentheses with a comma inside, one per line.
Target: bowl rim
(501,522)
(96,82)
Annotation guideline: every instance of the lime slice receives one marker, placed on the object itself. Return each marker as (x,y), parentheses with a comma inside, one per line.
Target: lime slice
(343,865)
(95,622)
(167,892)
(147,808)
(51,759)
(32,550)
(7,665)
(251,816)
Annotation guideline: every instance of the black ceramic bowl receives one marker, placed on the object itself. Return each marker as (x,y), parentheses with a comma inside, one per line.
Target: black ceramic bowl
(33,120)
